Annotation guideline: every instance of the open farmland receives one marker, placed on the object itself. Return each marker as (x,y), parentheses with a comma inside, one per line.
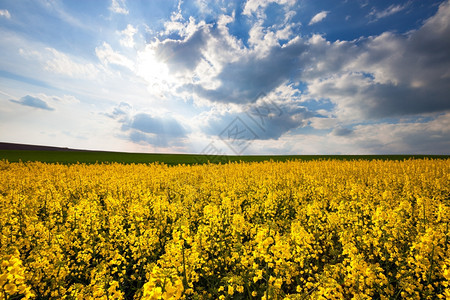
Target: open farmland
(92,157)
(274,230)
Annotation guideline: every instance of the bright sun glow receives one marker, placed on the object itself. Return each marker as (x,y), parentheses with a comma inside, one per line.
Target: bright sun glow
(155,72)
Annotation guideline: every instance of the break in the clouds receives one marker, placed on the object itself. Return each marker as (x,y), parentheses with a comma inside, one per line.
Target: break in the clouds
(297,76)
(33,102)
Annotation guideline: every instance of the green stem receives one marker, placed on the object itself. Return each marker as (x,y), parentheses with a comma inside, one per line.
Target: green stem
(185,281)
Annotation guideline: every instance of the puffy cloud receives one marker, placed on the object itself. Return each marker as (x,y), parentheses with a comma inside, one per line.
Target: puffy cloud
(431,43)
(5,13)
(375,77)
(318,17)
(386,75)
(380,76)
(194,53)
(259,6)
(242,80)
(182,29)
(33,102)
(127,34)
(182,55)
(206,61)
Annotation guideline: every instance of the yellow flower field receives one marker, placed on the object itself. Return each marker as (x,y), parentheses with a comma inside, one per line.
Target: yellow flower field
(293,230)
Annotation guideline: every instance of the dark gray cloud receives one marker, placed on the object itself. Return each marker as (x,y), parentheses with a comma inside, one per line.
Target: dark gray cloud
(376,77)
(33,102)
(391,74)
(242,80)
(121,112)
(356,95)
(396,100)
(166,126)
(342,131)
(183,55)
(265,121)
(403,74)
(432,42)
(160,131)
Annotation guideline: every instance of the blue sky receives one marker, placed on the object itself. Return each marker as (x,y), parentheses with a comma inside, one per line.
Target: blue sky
(232,77)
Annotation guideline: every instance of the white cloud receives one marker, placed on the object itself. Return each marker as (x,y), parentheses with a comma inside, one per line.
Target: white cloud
(127,34)
(318,17)
(5,13)
(386,75)
(108,56)
(262,40)
(370,78)
(56,62)
(204,7)
(259,6)
(197,57)
(60,63)
(119,7)
(391,10)
(183,29)
(431,137)
(323,123)
(252,6)
(284,34)
(194,63)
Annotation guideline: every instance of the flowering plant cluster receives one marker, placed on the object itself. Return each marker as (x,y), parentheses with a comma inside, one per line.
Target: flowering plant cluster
(274,230)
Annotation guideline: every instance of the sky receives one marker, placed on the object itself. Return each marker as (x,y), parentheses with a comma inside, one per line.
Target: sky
(227,77)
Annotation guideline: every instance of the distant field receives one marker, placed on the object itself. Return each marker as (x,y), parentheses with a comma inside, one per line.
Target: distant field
(70,157)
